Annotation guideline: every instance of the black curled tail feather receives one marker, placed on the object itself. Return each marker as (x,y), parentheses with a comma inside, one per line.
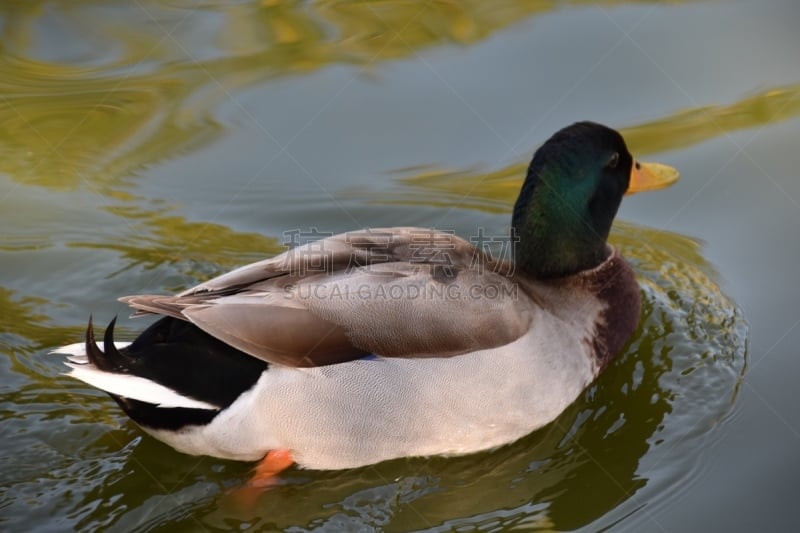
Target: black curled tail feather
(109,359)
(180,356)
(96,357)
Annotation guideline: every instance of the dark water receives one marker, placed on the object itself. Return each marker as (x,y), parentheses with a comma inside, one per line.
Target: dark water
(145,146)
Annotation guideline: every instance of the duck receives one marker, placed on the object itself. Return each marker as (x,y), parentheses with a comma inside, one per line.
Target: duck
(387,343)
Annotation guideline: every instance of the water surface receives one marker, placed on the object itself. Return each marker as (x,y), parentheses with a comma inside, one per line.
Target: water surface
(146,146)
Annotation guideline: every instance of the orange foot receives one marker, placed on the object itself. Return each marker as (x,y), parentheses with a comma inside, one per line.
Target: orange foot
(264,478)
(266,474)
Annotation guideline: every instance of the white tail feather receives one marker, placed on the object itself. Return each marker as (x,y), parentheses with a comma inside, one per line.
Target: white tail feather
(79,348)
(133,387)
(78,359)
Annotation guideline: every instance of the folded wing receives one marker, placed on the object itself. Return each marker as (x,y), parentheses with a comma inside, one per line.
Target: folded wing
(400,292)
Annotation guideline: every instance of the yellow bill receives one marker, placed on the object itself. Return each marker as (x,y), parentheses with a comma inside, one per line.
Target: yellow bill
(651,177)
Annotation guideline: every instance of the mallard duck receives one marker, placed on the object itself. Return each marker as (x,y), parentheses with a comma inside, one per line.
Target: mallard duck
(393,342)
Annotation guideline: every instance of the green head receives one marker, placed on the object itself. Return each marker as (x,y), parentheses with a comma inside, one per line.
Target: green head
(568,201)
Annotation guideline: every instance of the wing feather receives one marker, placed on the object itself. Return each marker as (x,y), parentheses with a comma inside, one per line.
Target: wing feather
(400,292)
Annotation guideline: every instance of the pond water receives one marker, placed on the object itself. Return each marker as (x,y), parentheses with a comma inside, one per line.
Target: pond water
(148,145)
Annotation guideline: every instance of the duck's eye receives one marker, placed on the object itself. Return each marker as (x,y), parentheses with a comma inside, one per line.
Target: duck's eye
(612,163)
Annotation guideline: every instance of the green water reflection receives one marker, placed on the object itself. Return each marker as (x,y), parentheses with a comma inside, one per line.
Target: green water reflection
(496,190)
(67,122)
